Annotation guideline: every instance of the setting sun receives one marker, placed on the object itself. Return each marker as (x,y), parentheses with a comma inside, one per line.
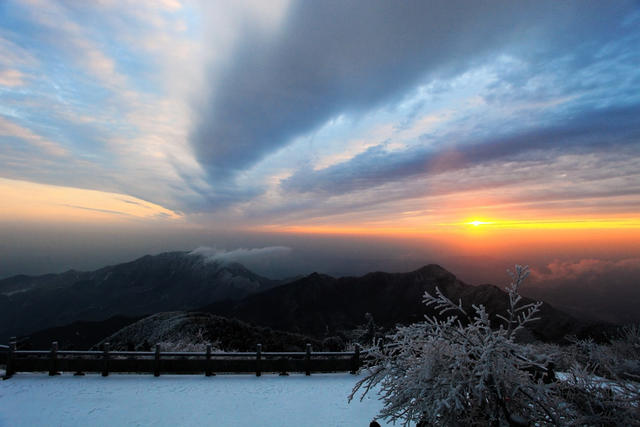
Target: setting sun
(476,223)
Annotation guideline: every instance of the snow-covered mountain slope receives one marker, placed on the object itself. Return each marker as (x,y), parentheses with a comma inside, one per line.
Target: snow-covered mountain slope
(189,331)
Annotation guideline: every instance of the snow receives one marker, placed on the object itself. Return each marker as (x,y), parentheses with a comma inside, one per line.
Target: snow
(185,400)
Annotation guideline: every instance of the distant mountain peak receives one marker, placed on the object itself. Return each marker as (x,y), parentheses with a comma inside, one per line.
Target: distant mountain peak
(435,270)
(318,276)
(152,283)
(320,305)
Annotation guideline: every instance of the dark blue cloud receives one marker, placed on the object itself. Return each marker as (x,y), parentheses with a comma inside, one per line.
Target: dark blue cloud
(600,130)
(336,57)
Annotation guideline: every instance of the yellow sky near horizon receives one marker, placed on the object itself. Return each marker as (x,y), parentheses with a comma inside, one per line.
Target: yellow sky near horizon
(474,225)
(29,201)
(612,235)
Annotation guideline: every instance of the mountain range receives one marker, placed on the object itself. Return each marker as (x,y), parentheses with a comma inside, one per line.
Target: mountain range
(323,305)
(165,282)
(83,308)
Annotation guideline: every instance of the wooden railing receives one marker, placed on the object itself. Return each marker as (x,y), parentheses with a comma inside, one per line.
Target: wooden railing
(208,362)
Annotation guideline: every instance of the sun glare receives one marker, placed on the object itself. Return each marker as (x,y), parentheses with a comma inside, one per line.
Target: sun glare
(560,223)
(477,223)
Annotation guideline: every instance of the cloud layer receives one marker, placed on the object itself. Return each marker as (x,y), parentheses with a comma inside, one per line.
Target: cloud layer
(317,112)
(331,58)
(603,289)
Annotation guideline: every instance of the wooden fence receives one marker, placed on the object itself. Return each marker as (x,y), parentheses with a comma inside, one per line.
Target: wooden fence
(158,362)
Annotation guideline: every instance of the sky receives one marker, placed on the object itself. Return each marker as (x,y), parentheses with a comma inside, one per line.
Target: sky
(359,134)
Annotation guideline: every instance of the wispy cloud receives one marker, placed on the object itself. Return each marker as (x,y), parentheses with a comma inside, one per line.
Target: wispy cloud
(101,91)
(592,131)
(242,255)
(10,129)
(29,202)
(11,78)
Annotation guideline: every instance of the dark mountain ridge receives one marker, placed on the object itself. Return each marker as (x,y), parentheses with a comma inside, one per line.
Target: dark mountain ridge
(322,305)
(79,307)
(80,335)
(147,285)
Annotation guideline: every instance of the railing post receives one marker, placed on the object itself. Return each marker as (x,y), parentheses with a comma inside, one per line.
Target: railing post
(355,362)
(11,362)
(307,360)
(156,364)
(105,360)
(207,368)
(258,358)
(282,362)
(78,372)
(53,359)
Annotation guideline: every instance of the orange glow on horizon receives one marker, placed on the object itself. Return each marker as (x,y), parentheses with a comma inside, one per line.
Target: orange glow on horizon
(560,224)
(485,225)
(614,236)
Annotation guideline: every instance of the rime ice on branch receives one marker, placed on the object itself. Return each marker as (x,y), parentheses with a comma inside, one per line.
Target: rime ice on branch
(458,368)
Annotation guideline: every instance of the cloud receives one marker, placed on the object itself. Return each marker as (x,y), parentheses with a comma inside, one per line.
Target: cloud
(13,55)
(592,131)
(29,202)
(243,256)
(57,19)
(249,112)
(599,288)
(99,92)
(11,78)
(11,129)
(585,269)
(340,57)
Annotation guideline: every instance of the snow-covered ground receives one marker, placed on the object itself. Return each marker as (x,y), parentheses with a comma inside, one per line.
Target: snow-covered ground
(183,400)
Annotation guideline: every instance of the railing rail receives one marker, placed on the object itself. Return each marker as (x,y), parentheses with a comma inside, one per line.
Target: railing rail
(106,361)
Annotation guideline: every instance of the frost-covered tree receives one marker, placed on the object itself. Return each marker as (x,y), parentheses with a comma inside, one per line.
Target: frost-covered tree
(194,341)
(457,368)
(462,369)
(602,381)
